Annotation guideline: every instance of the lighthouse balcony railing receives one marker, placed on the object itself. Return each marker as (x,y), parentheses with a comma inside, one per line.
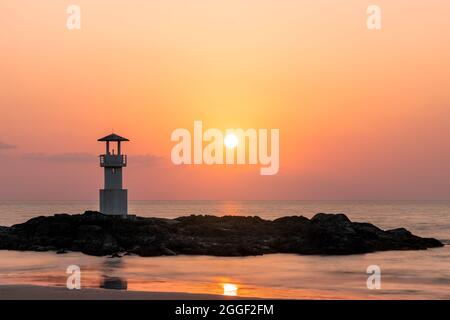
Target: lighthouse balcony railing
(113,160)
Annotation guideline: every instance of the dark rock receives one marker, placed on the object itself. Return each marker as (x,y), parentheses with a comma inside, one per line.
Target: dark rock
(114,283)
(327,218)
(96,234)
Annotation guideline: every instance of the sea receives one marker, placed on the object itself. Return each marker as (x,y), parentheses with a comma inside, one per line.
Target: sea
(423,274)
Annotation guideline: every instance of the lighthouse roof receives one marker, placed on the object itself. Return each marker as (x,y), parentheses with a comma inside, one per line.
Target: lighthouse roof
(113,137)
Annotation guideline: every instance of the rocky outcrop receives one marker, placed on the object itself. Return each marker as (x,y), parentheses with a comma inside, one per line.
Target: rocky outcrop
(96,234)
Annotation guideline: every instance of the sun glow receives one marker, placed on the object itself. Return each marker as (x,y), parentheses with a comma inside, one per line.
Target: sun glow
(229,289)
(231,141)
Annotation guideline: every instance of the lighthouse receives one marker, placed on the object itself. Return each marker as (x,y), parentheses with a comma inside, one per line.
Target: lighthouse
(113,199)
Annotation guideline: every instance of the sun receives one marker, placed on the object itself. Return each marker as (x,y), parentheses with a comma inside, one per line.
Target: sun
(231,141)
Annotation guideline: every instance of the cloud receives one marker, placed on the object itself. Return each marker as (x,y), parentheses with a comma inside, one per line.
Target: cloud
(84,157)
(6,146)
(61,157)
(145,160)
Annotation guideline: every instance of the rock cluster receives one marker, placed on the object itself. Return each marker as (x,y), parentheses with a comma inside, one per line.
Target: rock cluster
(96,234)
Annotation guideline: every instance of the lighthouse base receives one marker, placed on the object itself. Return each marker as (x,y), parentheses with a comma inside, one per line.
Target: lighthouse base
(114,202)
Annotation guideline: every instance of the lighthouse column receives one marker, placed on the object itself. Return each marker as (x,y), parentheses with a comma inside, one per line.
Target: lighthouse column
(113,199)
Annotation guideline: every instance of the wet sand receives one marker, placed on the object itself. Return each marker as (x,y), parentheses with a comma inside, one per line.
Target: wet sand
(29,292)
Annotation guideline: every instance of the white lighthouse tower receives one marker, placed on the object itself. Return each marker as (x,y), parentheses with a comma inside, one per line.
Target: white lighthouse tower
(113,199)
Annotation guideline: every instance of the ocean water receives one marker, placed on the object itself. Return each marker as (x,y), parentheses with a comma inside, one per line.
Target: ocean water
(404,274)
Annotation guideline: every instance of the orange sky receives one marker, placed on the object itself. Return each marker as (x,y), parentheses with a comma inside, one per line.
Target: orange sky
(362,114)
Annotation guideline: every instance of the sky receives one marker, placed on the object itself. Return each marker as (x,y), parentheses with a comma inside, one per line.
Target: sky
(363,114)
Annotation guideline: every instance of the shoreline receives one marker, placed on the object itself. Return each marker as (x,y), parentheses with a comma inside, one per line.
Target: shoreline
(35,292)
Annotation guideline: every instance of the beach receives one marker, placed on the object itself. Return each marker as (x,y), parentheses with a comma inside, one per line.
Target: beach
(421,274)
(27,292)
